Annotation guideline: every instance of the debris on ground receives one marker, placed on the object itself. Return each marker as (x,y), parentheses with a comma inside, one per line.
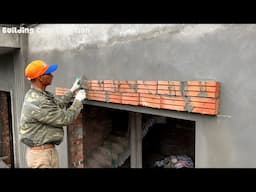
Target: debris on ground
(175,161)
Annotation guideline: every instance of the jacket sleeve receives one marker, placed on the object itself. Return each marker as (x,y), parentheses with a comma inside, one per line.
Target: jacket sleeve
(55,116)
(64,100)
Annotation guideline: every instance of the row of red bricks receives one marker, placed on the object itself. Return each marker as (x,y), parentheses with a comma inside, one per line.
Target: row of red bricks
(173,88)
(192,96)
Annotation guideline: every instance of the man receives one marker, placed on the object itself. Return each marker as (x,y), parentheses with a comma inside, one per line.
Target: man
(43,115)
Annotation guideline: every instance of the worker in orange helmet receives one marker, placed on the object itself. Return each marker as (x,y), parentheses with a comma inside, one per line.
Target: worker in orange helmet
(43,115)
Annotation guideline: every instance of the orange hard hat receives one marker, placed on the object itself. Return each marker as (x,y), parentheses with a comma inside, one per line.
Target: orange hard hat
(37,68)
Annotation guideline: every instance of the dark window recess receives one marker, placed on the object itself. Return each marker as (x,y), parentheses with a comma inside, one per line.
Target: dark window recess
(119,123)
(169,144)
(106,140)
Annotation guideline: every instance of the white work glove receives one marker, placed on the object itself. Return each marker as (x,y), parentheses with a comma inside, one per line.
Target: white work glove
(76,85)
(81,95)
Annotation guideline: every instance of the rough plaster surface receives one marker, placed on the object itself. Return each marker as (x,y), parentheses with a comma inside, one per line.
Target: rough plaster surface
(6,72)
(225,53)
(9,40)
(78,36)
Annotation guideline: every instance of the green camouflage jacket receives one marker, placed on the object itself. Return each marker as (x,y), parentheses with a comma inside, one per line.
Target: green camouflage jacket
(43,116)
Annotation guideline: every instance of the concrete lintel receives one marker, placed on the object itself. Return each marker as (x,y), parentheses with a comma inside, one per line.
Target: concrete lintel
(148,110)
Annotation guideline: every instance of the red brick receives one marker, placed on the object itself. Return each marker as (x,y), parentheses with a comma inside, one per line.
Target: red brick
(96,98)
(178,101)
(143,89)
(111,85)
(146,82)
(149,104)
(130,98)
(203,83)
(147,87)
(89,84)
(92,93)
(203,99)
(76,148)
(204,111)
(154,98)
(172,83)
(130,102)
(178,98)
(147,91)
(108,81)
(201,94)
(169,92)
(218,88)
(203,105)
(113,97)
(172,107)
(60,90)
(201,88)
(169,88)
(96,95)
(96,85)
(5,145)
(150,100)
(128,86)
(115,101)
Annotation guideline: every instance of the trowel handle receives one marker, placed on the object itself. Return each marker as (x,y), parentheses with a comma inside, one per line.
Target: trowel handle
(79,80)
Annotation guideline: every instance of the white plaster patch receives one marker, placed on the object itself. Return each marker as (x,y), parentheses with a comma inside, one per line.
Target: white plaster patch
(71,36)
(61,37)
(193,32)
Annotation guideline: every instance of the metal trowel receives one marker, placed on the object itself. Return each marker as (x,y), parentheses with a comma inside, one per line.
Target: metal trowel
(83,83)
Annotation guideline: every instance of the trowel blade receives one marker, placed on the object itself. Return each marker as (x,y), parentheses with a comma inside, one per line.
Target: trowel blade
(83,82)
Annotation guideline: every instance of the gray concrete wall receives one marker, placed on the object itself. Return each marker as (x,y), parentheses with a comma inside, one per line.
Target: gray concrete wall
(12,80)
(13,57)
(21,85)
(6,72)
(10,40)
(225,53)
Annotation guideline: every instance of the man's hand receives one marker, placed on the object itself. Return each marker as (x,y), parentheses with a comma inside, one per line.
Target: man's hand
(81,95)
(76,85)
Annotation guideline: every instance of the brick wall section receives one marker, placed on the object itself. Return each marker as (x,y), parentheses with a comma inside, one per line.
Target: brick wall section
(76,136)
(191,96)
(5,140)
